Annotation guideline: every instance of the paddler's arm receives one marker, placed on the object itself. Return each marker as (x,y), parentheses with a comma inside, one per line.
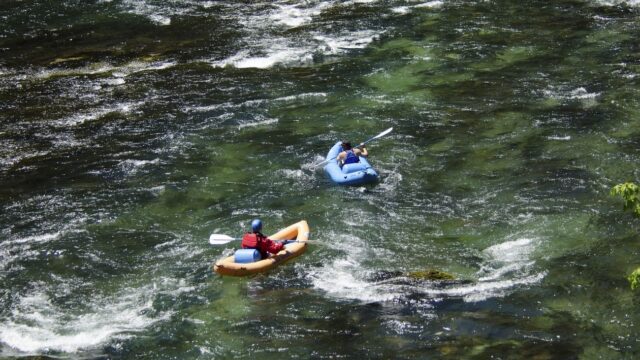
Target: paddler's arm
(362,151)
(341,157)
(274,246)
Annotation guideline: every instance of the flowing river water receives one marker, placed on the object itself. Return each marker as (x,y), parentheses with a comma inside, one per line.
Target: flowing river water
(130,130)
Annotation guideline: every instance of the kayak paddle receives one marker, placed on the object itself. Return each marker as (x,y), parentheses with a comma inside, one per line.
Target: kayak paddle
(221,239)
(326,161)
(377,136)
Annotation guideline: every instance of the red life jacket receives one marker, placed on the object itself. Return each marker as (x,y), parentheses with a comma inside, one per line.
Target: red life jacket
(251,240)
(261,243)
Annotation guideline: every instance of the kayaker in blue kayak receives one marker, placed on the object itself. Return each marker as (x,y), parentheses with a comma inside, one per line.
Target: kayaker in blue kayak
(351,155)
(255,240)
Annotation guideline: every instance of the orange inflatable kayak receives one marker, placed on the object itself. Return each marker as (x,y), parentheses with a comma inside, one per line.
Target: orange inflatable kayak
(298,231)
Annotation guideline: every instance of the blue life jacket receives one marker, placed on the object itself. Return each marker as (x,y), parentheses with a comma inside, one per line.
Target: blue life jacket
(351,158)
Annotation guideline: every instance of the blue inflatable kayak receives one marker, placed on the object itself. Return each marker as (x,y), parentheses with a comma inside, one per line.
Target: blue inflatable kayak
(350,174)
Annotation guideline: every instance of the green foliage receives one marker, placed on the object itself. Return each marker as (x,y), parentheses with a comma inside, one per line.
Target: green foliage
(634,279)
(629,192)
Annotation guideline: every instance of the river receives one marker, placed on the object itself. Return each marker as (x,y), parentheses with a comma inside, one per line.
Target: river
(130,130)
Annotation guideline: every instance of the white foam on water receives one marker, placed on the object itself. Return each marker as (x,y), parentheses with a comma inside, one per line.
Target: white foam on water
(508,265)
(160,12)
(157,190)
(178,249)
(293,15)
(401,10)
(260,122)
(119,71)
(91,115)
(23,245)
(293,174)
(97,68)
(345,277)
(37,324)
(131,166)
(511,251)
(157,14)
(66,140)
(137,66)
(114,82)
(207,108)
(582,93)
(303,96)
(312,165)
(507,269)
(430,4)
(265,46)
(422,5)
(23,155)
(618,2)
(559,138)
(33,239)
(575,94)
(272,55)
(404,327)
(391,181)
(484,290)
(160,19)
(336,44)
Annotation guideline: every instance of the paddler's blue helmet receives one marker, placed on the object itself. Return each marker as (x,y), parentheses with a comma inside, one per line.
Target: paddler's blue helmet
(256,225)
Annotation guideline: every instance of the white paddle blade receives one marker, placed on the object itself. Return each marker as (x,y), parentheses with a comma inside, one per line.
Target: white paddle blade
(220,239)
(380,135)
(385,132)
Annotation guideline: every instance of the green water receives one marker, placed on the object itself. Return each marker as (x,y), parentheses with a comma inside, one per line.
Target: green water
(132,130)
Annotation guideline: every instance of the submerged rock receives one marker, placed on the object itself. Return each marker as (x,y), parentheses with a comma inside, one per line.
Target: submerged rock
(413,276)
(430,275)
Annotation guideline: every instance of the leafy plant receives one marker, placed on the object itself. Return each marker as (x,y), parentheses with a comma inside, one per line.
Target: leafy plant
(634,279)
(629,192)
